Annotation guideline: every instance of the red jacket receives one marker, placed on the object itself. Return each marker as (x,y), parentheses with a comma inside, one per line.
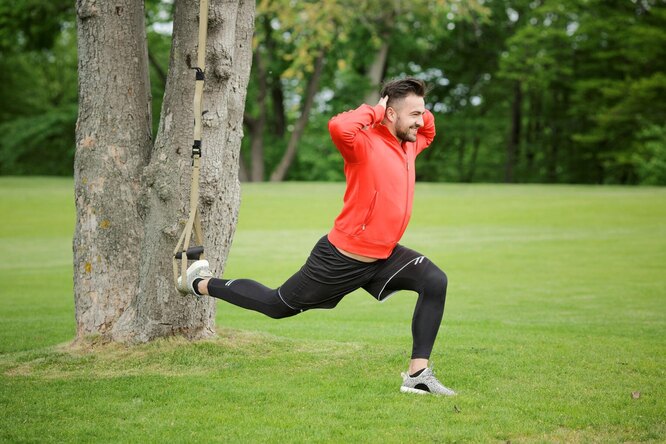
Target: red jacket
(380,180)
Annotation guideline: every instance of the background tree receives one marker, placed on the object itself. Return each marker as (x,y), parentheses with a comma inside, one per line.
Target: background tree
(302,45)
(37,87)
(581,68)
(524,90)
(293,42)
(131,193)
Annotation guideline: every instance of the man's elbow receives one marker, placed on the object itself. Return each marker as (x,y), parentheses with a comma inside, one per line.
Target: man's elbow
(339,133)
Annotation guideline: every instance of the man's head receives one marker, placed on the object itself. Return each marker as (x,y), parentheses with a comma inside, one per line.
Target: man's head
(405,107)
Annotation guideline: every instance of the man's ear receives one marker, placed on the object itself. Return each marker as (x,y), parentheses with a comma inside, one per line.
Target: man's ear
(390,114)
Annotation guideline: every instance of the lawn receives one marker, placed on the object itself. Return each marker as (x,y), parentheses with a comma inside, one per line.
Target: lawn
(554,330)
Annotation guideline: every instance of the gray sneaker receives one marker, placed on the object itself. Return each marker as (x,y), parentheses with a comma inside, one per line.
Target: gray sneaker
(198,270)
(424,384)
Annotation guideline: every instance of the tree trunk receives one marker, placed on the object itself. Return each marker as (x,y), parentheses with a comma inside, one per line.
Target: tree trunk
(279,121)
(290,153)
(113,140)
(377,71)
(476,144)
(461,142)
(531,134)
(259,124)
(158,68)
(279,117)
(158,309)
(124,280)
(555,138)
(242,170)
(514,137)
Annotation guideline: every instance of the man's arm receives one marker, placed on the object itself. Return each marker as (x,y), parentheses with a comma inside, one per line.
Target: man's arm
(345,127)
(426,133)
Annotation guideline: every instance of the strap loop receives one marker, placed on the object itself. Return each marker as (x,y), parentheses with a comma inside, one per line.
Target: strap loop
(183,252)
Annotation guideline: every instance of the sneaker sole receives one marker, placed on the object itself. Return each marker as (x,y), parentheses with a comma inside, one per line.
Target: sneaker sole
(413,390)
(423,392)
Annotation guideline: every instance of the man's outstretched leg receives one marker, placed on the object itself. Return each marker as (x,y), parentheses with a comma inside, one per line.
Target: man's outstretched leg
(241,292)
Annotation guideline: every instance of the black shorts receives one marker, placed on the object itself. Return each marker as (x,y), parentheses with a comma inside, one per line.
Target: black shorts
(328,276)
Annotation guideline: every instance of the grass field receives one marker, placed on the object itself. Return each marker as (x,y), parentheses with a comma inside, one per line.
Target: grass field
(556,314)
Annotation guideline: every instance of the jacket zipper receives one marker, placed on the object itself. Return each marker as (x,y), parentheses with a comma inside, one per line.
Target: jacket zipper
(372,207)
(402,227)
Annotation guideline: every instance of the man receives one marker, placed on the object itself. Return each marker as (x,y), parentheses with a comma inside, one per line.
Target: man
(379,145)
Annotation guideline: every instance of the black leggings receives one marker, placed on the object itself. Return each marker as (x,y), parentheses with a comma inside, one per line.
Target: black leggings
(328,276)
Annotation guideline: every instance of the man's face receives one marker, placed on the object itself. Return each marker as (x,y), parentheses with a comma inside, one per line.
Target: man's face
(408,117)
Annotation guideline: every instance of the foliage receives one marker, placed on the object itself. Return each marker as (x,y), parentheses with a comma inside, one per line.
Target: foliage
(650,156)
(552,90)
(37,123)
(590,85)
(32,24)
(39,144)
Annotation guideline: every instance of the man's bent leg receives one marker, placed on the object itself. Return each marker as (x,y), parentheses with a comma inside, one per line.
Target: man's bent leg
(430,283)
(417,274)
(429,310)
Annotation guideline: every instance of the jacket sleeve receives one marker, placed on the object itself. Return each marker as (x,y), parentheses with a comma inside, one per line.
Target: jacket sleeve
(345,128)
(426,133)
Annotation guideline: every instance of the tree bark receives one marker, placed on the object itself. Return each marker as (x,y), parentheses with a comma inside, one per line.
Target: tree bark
(113,140)
(123,280)
(313,84)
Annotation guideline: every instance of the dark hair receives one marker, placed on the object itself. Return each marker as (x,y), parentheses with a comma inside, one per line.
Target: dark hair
(398,89)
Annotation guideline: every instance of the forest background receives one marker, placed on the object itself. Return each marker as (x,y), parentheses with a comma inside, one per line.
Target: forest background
(566,91)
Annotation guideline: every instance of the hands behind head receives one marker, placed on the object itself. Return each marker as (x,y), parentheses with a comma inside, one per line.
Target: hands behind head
(383,101)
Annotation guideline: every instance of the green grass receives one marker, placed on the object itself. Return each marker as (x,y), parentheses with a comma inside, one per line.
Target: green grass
(556,313)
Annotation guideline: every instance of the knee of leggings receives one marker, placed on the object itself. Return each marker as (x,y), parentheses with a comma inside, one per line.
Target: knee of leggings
(282,312)
(435,281)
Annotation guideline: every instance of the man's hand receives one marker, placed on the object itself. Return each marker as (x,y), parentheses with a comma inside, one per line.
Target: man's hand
(383,101)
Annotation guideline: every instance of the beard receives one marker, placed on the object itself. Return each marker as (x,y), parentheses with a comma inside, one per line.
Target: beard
(407,134)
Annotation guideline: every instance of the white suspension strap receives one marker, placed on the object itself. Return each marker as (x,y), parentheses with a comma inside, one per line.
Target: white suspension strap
(183,251)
